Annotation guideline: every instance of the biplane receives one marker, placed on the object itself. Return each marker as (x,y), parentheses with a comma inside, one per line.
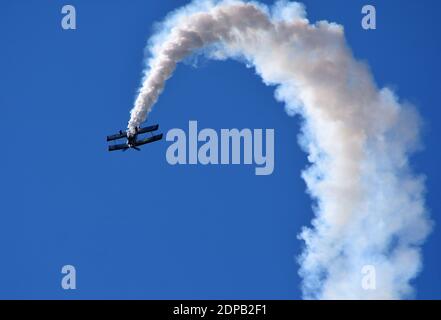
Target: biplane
(132,138)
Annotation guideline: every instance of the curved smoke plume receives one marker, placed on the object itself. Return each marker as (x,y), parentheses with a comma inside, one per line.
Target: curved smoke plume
(369,206)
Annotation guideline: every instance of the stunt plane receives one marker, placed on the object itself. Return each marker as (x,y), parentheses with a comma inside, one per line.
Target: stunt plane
(132,139)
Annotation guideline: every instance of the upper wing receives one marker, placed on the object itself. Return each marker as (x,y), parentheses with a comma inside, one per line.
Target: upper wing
(147,129)
(120,135)
(118,147)
(149,140)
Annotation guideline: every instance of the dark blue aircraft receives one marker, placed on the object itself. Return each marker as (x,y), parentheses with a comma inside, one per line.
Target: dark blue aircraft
(132,139)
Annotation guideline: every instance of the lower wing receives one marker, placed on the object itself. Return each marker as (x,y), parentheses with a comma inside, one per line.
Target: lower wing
(118,147)
(149,140)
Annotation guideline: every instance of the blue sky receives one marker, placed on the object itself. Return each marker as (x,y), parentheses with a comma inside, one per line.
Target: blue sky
(131,224)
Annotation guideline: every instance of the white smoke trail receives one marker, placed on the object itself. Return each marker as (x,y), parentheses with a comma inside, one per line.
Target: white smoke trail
(369,206)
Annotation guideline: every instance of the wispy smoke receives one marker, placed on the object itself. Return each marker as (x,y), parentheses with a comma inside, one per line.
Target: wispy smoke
(369,206)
